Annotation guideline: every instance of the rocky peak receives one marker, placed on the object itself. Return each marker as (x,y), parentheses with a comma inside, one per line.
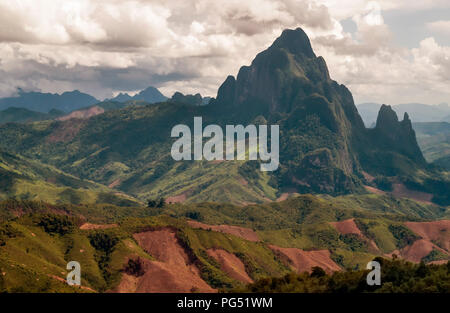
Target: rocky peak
(295,41)
(278,79)
(397,135)
(387,118)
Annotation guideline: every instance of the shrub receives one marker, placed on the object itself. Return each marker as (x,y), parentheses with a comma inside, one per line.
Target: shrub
(56,224)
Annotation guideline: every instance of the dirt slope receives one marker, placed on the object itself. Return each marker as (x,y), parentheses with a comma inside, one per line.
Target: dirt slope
(349,227)
(230,264)
(172,272)
(302,261)
(82,114)
(86,226)
(438,232)
(435,236)
(242,232)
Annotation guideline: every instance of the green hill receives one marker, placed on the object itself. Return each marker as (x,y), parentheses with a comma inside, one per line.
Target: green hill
(22,115)
(27,179)
(35,247)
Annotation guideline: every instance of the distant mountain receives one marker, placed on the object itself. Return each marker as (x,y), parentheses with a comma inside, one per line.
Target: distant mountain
(82,113)
(149,95)
(434,140)
(443,162)
(418,112)
(196,99)
(22,115)
(44,102)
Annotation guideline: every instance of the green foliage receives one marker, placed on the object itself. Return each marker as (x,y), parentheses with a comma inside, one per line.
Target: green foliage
(56,224)
(156,203)
(403,235)
(194,215)
(383,183)
(434,255)
(104,241)
(7,231)
(397,276)
(135,267)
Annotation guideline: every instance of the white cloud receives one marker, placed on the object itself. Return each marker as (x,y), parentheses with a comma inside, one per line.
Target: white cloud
(440,27)
(106,46)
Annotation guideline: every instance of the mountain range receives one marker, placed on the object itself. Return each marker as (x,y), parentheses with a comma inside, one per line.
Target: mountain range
(45,102)
(324,146)
(38,102)
(73,187)
(419,113)
(149,95)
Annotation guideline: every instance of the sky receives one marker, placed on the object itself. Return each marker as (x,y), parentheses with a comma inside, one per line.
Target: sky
(384,51)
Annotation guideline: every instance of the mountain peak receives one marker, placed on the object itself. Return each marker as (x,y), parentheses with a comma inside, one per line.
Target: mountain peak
(387,118)
(295,41)
(278,79)
(149,94)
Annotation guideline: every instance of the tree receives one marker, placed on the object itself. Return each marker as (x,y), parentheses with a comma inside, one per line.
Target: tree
(156,203)
(318,272)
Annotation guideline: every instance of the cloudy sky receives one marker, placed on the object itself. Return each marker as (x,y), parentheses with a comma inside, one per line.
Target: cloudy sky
(385,51)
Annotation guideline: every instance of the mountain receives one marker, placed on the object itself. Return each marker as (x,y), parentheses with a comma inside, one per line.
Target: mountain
(22,115)
(418,112)
(324,146)
(45,102)
(149,95)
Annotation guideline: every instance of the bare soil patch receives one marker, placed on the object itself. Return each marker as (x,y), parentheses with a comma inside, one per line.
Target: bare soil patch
(347,227)
(66,131)
(242,232)
(438,232)
(375,190)
(230,264)
(82,114)
(172,272)
(400,190)
(115,183)
(304,261)
(97,226)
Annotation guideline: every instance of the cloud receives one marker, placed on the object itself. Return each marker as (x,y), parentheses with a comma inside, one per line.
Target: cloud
(106,46)
(440,27)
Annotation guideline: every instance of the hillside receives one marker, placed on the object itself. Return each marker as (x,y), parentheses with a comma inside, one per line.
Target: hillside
(22,115)
(26,179)
(207,247)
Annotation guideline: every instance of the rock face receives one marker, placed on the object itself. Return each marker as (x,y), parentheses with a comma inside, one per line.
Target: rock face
(324,143)
(398,135)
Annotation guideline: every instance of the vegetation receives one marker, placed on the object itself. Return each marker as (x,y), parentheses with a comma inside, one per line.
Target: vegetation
(397,276)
